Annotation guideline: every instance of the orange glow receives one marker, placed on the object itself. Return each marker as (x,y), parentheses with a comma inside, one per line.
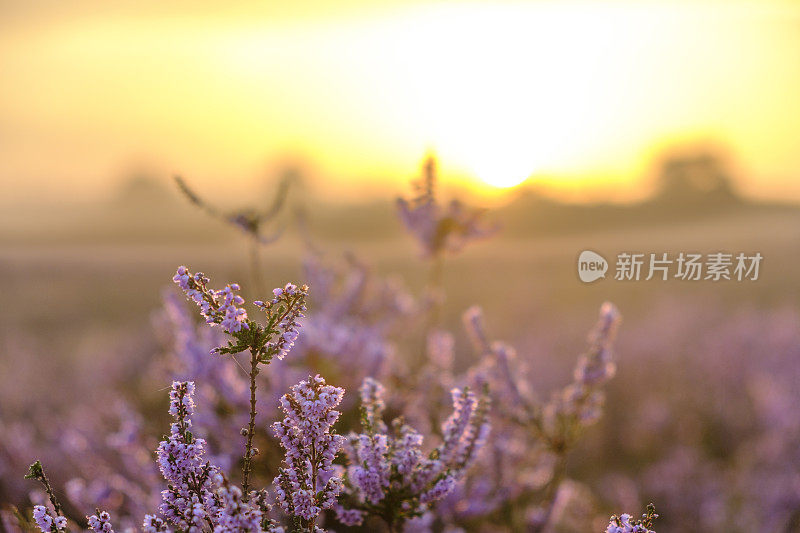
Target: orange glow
(580,92)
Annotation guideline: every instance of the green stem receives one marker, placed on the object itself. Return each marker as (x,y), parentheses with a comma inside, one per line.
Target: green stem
(251,428)
(36,472)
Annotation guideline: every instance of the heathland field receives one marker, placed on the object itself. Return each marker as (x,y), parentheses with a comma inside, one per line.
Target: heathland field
(696,418)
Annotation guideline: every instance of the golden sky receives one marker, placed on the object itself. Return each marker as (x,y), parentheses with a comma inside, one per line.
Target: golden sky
(580,96)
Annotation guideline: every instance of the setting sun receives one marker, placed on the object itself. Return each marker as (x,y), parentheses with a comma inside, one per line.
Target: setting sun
(502,182)
(572,90)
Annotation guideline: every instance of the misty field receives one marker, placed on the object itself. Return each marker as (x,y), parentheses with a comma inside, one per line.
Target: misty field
(699,419)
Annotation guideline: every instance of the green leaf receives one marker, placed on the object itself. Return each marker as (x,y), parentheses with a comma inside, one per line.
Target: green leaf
(35,471)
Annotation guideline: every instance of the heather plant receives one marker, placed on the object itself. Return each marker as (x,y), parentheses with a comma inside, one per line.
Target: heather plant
(264,342)
(221,386)
(308,483)
(532,439)
(41,514)
(411,474)
(627,524)
(198,497)
(439,229)
(389,477)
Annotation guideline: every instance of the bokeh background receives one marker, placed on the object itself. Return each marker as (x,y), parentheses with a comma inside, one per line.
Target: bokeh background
(647,126)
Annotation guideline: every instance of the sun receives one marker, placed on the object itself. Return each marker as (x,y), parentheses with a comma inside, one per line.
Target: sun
(500,181)
(498,166)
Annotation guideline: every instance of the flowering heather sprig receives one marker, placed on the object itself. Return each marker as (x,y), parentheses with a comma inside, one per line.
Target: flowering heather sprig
(439,229)
(307,483)
(189,501)
(237,515)
(388,475)
(273,339)
(540,434)
(100,522)
(199,497)
(153,524)
(41,514)
(578,404)
(217,306)
(47,522)
(627,524)
(559,420)
(290,305)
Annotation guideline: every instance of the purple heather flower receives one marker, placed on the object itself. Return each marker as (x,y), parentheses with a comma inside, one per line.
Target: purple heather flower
(441,489)
(288,307)
(310,447)
(581,401)
(388,475)
(373,404)
(100,523)
(371,475)
(153,524)
(349,517)
(46,521)
(455,430)
(236,515)
(189,500)
(439,229)
(476,329)
(625,523)
(217,306)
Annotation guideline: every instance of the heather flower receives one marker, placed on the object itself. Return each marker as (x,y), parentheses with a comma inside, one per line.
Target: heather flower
(372,405)
(46,521)
(41,515)
(439,229)
(579,404)
(307,482)
(625,523)
(100,522)
(389,476)
(217,306)
(274,339)
(264,342)
(530,451)
(237,514)
(286,309)
(153,524)
(189,500)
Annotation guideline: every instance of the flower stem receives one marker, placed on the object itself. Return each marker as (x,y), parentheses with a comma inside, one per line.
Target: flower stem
(559,471)
(36,471)
(251,428)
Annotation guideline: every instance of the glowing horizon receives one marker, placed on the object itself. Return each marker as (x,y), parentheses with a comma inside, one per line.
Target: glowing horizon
(566,94)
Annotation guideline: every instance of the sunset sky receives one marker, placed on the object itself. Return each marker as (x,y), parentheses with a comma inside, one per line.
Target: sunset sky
(579,96)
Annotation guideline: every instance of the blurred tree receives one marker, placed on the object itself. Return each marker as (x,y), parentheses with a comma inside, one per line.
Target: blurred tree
(699,177)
